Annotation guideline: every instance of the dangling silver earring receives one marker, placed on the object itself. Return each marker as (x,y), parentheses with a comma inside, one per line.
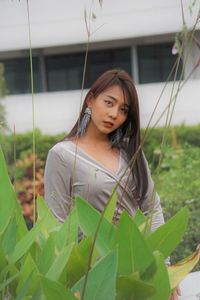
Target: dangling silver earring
(116,136)
(84,121)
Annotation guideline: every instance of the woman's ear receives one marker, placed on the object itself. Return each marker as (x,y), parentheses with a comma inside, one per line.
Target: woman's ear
(89,101)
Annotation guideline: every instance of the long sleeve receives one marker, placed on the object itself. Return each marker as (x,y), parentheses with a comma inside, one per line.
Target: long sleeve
(57,182)
(152,200)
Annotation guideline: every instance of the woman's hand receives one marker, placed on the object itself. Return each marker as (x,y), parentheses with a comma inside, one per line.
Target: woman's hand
(176,294)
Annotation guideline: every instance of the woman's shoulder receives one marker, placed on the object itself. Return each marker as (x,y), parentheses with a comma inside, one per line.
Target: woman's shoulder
(62,149)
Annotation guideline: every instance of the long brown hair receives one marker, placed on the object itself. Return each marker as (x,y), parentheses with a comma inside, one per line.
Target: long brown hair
(131,138)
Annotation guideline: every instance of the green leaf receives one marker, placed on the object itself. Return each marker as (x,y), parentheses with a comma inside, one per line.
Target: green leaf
(7,195)
(54,290)
(68,233)
(167,236)
(132,288)
(110,207)
(160,279)
(78,261)
(139,218)
(60,263)
(21,293)
(29,269)
(47,256)
(101,282)
(5,283)
(88,219)
(178,271)
(9,270)
(8,202)
(3,259)
(10,237)
(44,211)
(134,253)
(25,243)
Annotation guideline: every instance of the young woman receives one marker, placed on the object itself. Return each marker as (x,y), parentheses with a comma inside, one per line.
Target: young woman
(97,154)
(91,160)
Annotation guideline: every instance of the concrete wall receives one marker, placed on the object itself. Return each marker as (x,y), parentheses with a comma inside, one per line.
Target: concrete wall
(57,112)
(61,22)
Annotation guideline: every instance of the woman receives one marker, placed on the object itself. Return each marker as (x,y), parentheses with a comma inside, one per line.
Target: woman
(97,154)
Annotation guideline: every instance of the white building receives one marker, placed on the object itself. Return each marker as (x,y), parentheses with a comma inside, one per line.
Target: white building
(135,35)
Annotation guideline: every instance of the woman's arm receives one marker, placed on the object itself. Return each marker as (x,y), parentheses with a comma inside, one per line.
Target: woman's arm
(57,185)
(151,202)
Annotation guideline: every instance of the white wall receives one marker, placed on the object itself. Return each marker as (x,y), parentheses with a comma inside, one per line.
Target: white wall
(190,288)
(61,22)
(57,112)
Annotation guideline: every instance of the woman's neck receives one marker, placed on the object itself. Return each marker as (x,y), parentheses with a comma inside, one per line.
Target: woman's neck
(95,138)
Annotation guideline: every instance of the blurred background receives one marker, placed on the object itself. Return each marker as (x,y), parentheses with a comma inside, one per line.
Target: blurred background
(146,38)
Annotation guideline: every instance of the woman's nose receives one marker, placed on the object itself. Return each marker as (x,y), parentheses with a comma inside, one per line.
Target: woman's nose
(113,112)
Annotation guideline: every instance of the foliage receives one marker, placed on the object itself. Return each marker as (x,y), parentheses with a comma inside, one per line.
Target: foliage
(176,136)
(172,183)
(178,185)
(183,135)
(24,176)
(48,262)
(23,145)
(24,183)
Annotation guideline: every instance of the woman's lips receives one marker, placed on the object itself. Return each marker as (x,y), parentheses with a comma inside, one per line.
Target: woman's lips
(108,124)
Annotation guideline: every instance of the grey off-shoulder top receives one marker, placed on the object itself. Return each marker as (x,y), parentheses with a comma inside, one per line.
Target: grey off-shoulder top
(70,171)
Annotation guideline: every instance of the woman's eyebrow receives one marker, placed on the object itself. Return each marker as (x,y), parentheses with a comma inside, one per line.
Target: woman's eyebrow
(113,98)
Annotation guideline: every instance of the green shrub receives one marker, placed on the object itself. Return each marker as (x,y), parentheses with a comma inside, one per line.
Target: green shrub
(23,143)
(47,262)
(178,182)
(177,135)
(178,185)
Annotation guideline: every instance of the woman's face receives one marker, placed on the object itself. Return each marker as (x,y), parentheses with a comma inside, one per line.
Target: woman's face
(109,110)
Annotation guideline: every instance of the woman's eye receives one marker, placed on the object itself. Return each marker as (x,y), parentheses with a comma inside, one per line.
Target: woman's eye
(108,102)
(124,110)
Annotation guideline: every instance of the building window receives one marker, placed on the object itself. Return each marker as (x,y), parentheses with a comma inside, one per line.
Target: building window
(17,75)
(100,61)
(155,62)
(65,72)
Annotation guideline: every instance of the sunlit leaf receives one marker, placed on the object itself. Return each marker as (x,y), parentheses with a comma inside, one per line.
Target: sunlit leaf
(178,271)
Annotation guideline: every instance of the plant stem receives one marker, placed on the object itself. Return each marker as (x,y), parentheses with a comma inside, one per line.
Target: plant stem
(33,111)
